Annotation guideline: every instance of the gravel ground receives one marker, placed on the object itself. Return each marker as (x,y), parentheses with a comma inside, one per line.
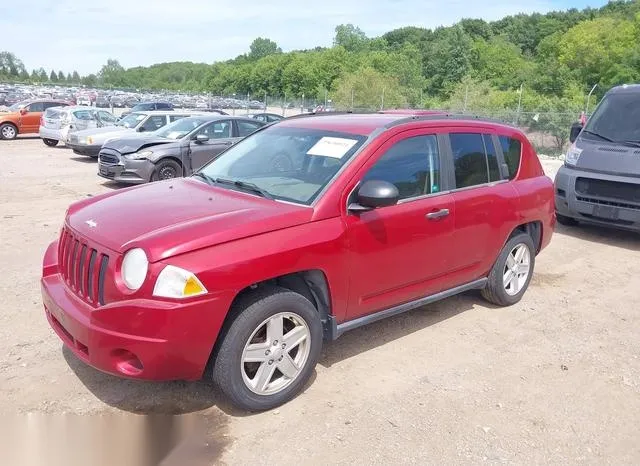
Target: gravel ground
(554,379)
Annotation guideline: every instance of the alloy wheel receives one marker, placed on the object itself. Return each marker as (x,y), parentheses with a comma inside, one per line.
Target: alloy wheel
(516,269)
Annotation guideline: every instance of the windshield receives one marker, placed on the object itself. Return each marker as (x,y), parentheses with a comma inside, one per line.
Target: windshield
(180,128)
(617,118)
(17,106)
(291,164)
(132,120)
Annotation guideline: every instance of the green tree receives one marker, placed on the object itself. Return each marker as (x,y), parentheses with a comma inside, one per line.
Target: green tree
(448,59)
(500,62)
(263,47)
(42,75)
(112,74)
(351,37)
(600,50)
(75,77)
(61,77)
(34,76)
(368,89)
(11,67)
(53,77)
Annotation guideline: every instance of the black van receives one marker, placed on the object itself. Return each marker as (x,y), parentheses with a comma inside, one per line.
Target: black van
(600,180)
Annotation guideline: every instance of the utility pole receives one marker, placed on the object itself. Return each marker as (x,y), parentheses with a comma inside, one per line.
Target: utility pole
(284,104)
(382,105)
(326,96)
(519,103)
(586,112)
(352,92)
(466,99)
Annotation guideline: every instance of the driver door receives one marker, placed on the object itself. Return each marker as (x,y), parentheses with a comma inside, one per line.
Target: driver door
(220,137)
(403,252)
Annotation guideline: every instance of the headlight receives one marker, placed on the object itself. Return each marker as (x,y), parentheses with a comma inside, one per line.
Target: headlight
(573,154)
(174,282)
(134,269)
(89,140)
(139,155)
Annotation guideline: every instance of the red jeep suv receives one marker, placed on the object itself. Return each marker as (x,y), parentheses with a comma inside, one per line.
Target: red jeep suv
(306,229)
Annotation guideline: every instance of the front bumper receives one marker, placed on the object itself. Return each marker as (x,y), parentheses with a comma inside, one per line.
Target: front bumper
(595,208)
(83,149)
(127,171)
(138,338)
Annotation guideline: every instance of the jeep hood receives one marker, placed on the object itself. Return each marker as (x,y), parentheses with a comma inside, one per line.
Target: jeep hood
(610,158)
(129,145)
(173,217)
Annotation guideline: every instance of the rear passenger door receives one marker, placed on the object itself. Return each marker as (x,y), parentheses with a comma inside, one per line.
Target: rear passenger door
(484,201)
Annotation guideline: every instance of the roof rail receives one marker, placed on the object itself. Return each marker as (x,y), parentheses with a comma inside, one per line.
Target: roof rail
(444,116)
(345,112)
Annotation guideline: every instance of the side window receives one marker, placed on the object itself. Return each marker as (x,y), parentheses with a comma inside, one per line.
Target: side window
(470,159)
(217,130)
(412,165)
(245,128)
(36,107)
(153,123)
(173,118)
(512,150)
(108,117)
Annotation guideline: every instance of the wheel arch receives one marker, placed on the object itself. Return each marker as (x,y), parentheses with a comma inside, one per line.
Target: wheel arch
(312,284)
(533,229)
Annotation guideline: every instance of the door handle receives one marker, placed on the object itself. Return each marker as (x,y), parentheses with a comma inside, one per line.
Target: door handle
(438,214)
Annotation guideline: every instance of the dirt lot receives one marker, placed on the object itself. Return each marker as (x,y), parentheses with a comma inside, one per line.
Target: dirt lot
(555,379)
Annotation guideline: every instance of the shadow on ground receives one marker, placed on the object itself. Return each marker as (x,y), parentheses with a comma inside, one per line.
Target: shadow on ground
(597,234)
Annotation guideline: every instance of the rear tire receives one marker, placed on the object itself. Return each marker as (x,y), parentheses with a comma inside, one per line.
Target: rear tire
(8,131)
(166,170)
(512,272)
(50,142)
(254,344)
(566,221)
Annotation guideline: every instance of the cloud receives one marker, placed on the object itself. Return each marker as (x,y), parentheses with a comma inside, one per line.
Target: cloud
(70,35)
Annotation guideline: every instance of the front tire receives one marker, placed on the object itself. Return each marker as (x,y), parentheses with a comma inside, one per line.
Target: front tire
(270,349)
(166,170)
(8,131)
(512,272)
(50,142)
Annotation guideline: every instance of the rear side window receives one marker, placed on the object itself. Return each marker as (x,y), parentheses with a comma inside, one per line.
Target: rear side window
(512,150)
(475,159)
(173,118)
(245,128)
(412,165)
(53,113)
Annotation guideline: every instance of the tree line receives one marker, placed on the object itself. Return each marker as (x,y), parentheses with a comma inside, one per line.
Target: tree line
(556,58)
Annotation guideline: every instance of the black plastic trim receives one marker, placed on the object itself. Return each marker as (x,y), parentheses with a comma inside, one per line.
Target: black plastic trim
(104,263)
(336,330)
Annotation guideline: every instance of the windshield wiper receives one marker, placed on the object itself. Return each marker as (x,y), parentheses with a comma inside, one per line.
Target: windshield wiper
(604,138)
(244,185)
(206,178)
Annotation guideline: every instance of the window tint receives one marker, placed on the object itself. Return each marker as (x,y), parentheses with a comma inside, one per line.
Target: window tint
(492,158)
(173,118)
(245,128)
(36,107)
(412,165)
(512,149)
(217,130)
(470,160)
(154,123)
(86,115)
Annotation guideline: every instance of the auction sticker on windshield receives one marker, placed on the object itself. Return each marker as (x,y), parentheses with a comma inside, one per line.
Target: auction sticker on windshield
(332,147)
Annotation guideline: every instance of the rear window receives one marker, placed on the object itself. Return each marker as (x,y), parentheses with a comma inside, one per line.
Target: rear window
(512,149)
(83,115)
(53,113)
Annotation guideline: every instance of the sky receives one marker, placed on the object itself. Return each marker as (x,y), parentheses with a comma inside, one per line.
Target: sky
(81,35)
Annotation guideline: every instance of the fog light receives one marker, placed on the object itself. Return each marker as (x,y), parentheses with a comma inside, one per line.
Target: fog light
(127,363)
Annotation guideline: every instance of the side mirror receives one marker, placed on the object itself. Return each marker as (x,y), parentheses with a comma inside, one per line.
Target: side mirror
(23,111)
(576,129)
(375,194)
(200,138)
(142,129)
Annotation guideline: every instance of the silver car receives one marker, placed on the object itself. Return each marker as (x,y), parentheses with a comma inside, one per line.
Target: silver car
(57,123)
(89,142)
